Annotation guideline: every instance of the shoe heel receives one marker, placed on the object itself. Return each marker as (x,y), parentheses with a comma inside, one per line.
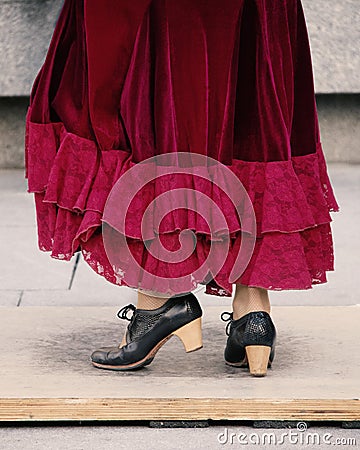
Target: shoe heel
(258,358)
(190,335)
(123,342)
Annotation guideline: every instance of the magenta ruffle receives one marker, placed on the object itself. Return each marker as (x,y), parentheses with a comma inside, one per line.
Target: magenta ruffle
(71,179)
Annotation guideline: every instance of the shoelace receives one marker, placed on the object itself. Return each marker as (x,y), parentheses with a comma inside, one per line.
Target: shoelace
(227,317)
(122,313)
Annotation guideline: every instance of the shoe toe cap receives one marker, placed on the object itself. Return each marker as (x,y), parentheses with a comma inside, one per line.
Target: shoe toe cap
(100,355)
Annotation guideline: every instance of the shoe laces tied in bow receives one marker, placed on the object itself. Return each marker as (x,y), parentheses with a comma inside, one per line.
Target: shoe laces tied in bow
(227,317)
(123,312)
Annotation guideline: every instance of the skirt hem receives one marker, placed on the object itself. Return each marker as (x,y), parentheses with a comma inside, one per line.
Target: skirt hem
(72,178)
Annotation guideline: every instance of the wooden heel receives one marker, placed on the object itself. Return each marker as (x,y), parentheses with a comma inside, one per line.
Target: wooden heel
(258,358)
(190,335)
(123,342)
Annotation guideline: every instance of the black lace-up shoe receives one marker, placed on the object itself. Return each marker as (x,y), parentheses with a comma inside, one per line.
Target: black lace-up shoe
(148,331)
(251,341)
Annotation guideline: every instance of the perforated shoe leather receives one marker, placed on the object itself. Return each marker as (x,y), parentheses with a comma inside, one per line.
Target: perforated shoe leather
(255,328)
(146,330)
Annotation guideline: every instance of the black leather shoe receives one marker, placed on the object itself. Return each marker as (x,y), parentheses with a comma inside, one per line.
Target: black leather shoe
(251,341)
(148,331)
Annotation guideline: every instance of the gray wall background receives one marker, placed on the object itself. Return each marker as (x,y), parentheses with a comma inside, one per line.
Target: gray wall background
(26,28)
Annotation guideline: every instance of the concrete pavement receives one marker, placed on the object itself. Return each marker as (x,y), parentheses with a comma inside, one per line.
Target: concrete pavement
(143,438)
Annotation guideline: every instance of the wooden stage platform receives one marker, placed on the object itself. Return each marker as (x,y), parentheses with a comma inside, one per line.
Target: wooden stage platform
(46,373)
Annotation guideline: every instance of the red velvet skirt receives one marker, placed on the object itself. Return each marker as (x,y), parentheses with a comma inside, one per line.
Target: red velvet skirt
(232,80)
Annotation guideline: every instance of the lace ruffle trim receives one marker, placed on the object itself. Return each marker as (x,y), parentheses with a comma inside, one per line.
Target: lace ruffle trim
(72,178)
